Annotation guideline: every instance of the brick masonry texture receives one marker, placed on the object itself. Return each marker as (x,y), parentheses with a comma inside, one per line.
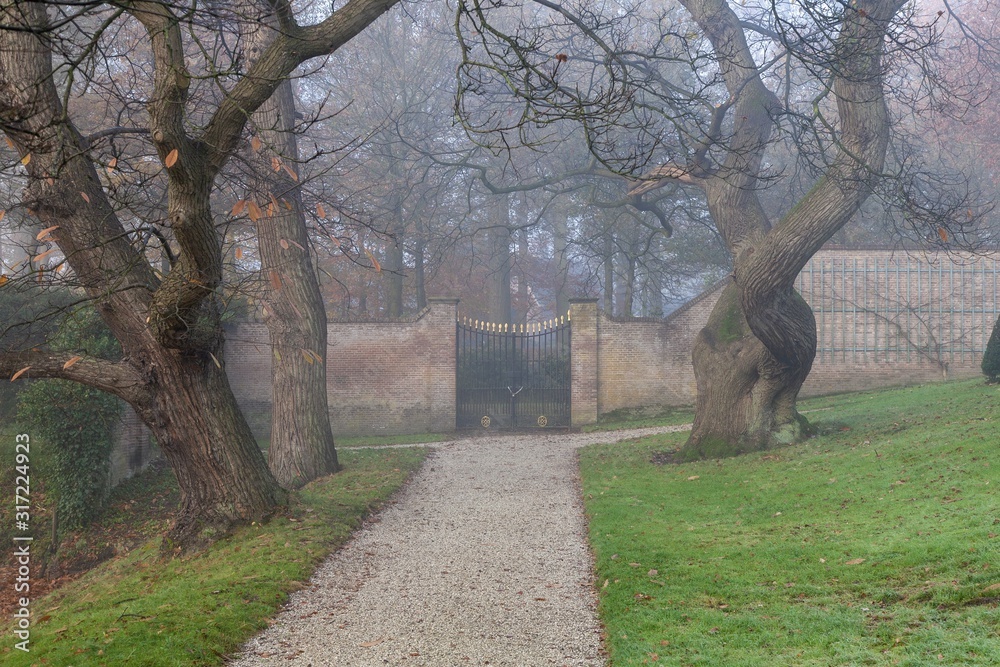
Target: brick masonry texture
(884,318)
(383,377)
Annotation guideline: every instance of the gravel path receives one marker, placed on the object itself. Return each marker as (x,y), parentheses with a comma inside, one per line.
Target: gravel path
(481,560)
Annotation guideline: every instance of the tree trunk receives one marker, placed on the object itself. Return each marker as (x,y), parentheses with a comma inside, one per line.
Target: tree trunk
(302,444)
(499,262)
(419,270)
(746,398)
(609,273)
(560,243)
(219,467)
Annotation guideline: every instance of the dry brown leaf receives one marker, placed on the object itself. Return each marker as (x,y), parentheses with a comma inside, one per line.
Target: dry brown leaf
(26,159)
(275,279)
(239,207)
(255,143)
(375,642)
(943,233)
(992,587)
(215,360)
(254,211)
(45,232)
(239,252)
(2,214)
(283,243)
(320,211)
(275,164)
(855,561)
(71,361)
(41,256)
(693,477)
(308,357)
(3,279)
(9,142)
(19,373)
(291,173)
(171,158)
(85,196)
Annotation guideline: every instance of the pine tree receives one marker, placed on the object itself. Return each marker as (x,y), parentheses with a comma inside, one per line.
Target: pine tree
(991,357)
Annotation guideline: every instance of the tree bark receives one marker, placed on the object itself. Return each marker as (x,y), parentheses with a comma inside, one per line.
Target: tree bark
(746,399)
(499,262)
(758,347)
(302,444)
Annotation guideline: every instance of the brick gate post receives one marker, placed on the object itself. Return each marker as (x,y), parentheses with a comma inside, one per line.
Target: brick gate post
(583,345)
(444,315)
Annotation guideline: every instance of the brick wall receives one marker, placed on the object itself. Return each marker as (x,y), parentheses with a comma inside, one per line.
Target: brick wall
(646,361)
(884,318)
(383,377)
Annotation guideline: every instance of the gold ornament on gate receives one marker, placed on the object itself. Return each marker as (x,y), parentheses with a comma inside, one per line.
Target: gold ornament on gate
(543,421)
(485,421)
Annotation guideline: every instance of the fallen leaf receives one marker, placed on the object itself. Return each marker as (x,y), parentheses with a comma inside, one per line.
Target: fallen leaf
(255,143)
(320,211)
(992,587)
(239,252)
(372,643)
(856,561)
(171,158)
(26,159)
(238,207)
(85,196)
(71,361)
(19,373)
(283,243)
(693,477)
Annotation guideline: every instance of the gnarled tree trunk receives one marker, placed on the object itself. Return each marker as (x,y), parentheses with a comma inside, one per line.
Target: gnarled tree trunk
(746,397)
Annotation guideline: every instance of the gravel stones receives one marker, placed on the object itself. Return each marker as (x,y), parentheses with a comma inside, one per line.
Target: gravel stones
(481,560)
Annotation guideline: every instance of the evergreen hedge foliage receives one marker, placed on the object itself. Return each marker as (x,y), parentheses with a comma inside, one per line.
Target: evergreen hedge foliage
(76,422)
(991,358)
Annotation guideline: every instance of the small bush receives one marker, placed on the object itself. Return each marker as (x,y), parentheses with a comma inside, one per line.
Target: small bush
(991,358)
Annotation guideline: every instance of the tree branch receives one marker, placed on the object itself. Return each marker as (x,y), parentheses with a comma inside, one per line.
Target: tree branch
(113,377)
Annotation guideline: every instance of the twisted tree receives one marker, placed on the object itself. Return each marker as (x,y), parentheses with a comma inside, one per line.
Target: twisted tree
(696,94)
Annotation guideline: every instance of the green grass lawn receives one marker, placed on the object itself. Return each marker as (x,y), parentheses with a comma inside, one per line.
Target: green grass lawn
(875,543)
(139,609)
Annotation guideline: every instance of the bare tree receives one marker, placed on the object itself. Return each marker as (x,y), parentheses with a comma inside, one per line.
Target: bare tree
(169,327)
(696,98)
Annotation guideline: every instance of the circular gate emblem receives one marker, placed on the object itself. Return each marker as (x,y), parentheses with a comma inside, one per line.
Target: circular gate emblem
(485,421)
(543,421)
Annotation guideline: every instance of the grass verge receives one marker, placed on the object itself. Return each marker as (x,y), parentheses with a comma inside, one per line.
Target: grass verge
(139,609)
(626,418)
(875,543)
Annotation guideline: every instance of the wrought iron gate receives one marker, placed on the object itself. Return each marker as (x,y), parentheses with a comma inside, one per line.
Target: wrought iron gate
(513,377)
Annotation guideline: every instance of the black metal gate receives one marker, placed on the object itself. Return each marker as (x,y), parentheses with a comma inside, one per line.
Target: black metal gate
(513,377)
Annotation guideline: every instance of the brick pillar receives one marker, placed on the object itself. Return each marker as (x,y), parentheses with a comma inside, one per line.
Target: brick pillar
(444,314)
(583,314)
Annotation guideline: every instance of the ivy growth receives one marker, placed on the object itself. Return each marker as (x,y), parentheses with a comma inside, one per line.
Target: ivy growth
(76,422)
